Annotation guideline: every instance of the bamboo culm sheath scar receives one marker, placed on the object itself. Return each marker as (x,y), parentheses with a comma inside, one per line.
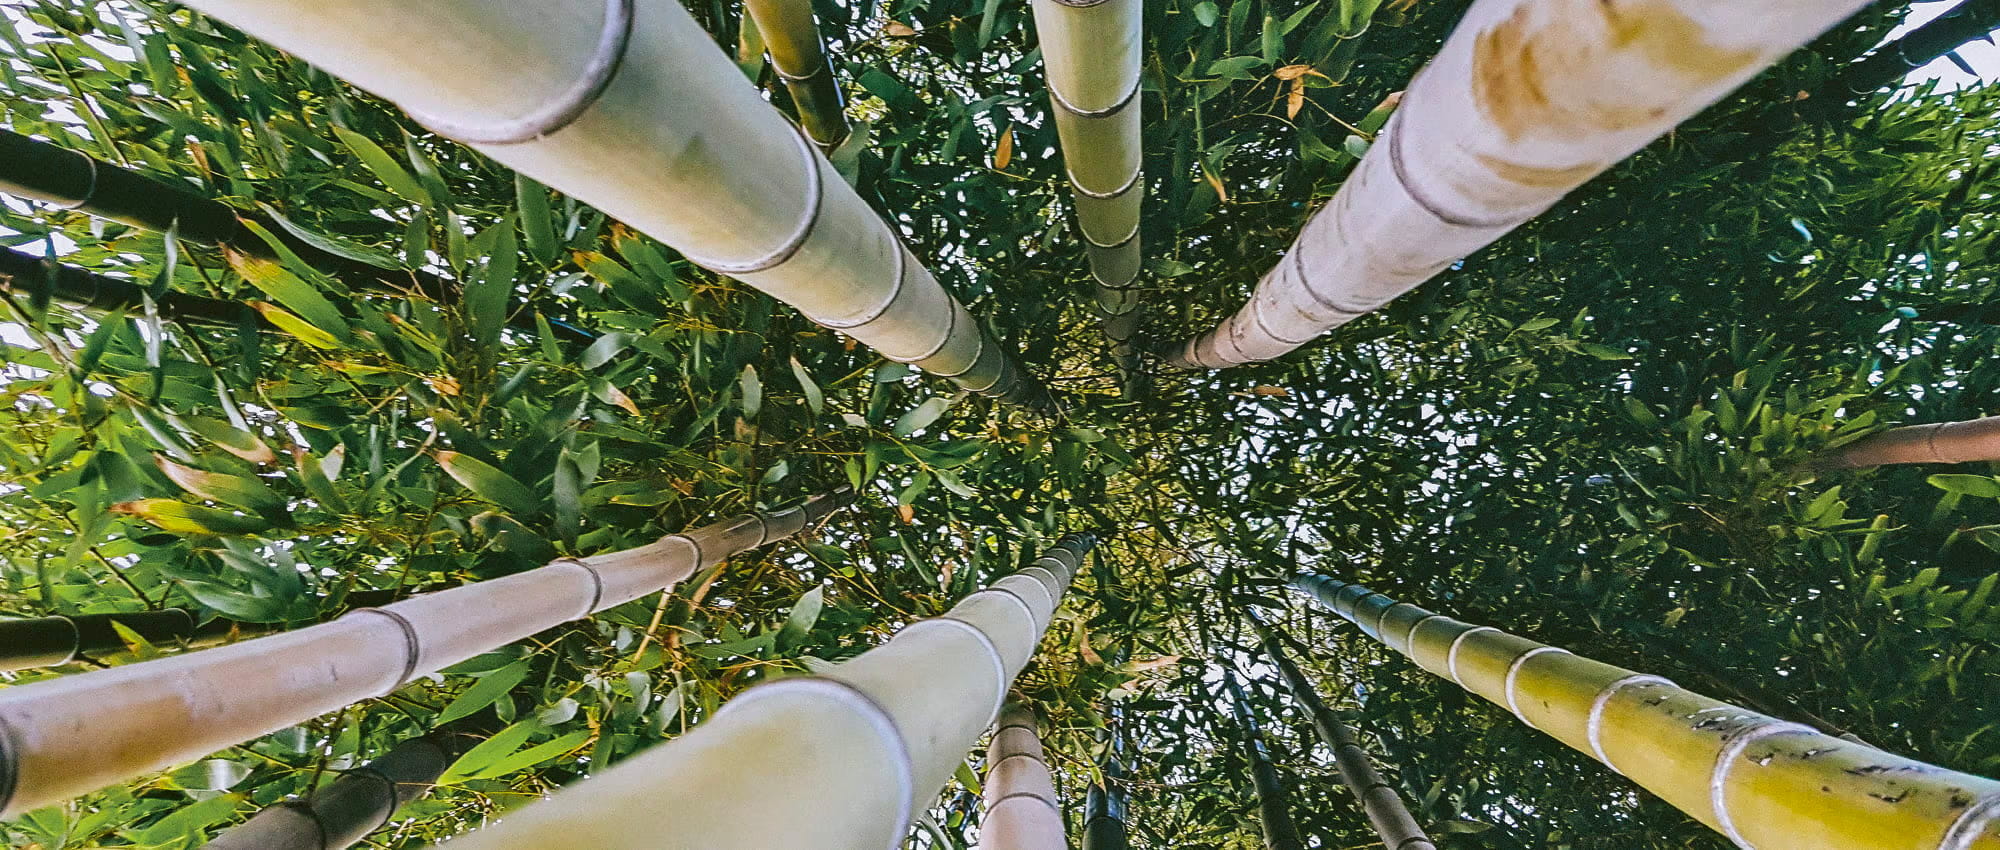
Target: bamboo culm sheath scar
(1764,783)
(837,761)
(629,106)
(1019,806)
(1526,101)
(67,736)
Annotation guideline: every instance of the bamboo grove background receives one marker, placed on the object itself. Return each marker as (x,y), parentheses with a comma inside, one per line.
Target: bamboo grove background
(1598,433)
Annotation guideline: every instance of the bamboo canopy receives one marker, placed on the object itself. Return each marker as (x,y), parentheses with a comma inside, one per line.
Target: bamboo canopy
(1273,806)
(22,273)
(838,761)
(361,801)
(1091,50)
(1021,811)
(67,736)
(628,105)
(1765,783)
(792,38)
(1527,100)
(1936,442)
(1385,810)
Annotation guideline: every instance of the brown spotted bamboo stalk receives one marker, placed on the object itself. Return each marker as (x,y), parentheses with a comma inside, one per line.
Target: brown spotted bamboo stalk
(791,36)
(1765,783)
(1937,442)
(361,801)
(1091,50)
(836,761)
(67,736)
(1021,811)
(1527,100)
(629,106)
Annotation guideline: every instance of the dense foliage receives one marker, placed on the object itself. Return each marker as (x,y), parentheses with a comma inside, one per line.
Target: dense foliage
(1596,433)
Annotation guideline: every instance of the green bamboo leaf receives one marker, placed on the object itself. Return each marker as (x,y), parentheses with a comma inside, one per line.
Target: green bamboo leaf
(489,751)
(805,614)
(487,298)
(815,400)
(753,392)
(920,416)
(1207,13)
(603,349)
(236,491)
(484,692)
(538,228)
(534,755)
(1981,486)
(489,483)
(386,169)
(329,243)
(178,517)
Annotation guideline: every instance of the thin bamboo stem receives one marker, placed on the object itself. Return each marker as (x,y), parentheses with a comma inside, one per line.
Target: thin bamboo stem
(1765,783)
(791,37)
(838,761)
(361,801)
(1936,442)
(1021,811)
(27,274)
(1273,806)
(67,736)
(1105,804)
(1527,100)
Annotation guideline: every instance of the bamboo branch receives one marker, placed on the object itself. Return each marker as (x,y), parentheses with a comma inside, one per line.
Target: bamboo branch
(1763,782)
(67,736)
(1936,442)
(1020,809)
(1969,21)
(838,761)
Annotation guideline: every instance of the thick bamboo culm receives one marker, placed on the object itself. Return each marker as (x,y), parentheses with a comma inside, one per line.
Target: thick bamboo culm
(1765,783)
(22,273)
(1105,804)
(837,761)
(629,105)
(361,801)
(1385,810)
(1937,442)
(1273,803)
(67,736)
(1020,810)
(791,37)
(1091,51)
(1526,101)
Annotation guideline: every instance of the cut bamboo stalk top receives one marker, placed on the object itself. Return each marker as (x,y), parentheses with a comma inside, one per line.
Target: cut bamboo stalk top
(1764,783)
(67,736)
(1526,101)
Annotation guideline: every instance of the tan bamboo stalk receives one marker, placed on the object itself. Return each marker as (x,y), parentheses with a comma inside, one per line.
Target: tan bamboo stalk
(64,737)
(837,761)
(791,37)
(361,801)
(1937,442)
(1385,810)
(1021,811)
(1765,783)
(1091,53)
(1527,100)
(630,106)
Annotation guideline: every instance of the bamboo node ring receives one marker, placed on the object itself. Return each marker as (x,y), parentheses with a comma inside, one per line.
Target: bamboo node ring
(1077,186)
(388,785)
(815,201)
(596,583)
(613,42)
(89,186)
(950,329)
(877,311)
(1017,795)
(993,650)
(1514,675)
(852,697)
(979,338)
(1718,781)
(413,646)
(700,557)
(1422,199)
(1124,100)
(1410,639)
(1594,725)
(1018,599)
(1451,656)
(1970,823)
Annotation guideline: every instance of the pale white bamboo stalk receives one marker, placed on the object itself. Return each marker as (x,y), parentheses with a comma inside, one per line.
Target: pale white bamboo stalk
(837,761)
(1764,783)
(1019,797)
(67,736)
(629,106)
(1091,50)
(791,36)
(1527,100)
(1937,442)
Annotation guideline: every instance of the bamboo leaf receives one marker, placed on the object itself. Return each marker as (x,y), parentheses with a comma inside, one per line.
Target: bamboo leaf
(815,400)
(484,692)
(489,483)
(753,392)
(237,491)
(538,227)
(181,518)
(805,614)
(920,416)
(386,169)
(487,752)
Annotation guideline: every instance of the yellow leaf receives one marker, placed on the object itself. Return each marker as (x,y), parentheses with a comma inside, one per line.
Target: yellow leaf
(906,513)
(1214,182)
(1003,153)
(618,397)
(1293,72)
(898,29)
(1270,390)
(1084,648)
(1296,99)
(445,386)
(294,325)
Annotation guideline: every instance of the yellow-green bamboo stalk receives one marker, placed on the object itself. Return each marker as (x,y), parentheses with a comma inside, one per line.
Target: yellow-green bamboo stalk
(837,761)
(1527,100)
(67,736)
(1937,442)
(791,37)
(1765,783)
(1019,797)
(1091,52)
(628,105)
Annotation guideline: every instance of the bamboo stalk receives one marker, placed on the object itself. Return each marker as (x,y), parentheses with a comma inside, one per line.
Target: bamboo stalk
(1765,783)
(837,761)
(1021,811)
(1091,51)
(1936,442)
(1969,21)
(1385,810)
(27,274)
(1105,804)
(48,641)
(1527,100)
(1273,810)
(791,37)
(361,801)
(67,736)
(630,106)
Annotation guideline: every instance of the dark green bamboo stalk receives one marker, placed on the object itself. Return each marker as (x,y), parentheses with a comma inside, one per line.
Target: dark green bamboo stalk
(361,801)
(1385,810)
(1104,805)
(1273,811)
(1970,20)
(49,641)
(27,274)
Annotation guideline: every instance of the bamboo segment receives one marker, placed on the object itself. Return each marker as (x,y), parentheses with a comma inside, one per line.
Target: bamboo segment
(1021,809)
(792,38)
(1937,442)
(1385,810)
(64,737)
(1527,100)
(629,106)
(1970,20)
(1273,809)
(838,761)
(22,273)
(1765,783)
(1104,805)
(1091,50)
(361,801)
